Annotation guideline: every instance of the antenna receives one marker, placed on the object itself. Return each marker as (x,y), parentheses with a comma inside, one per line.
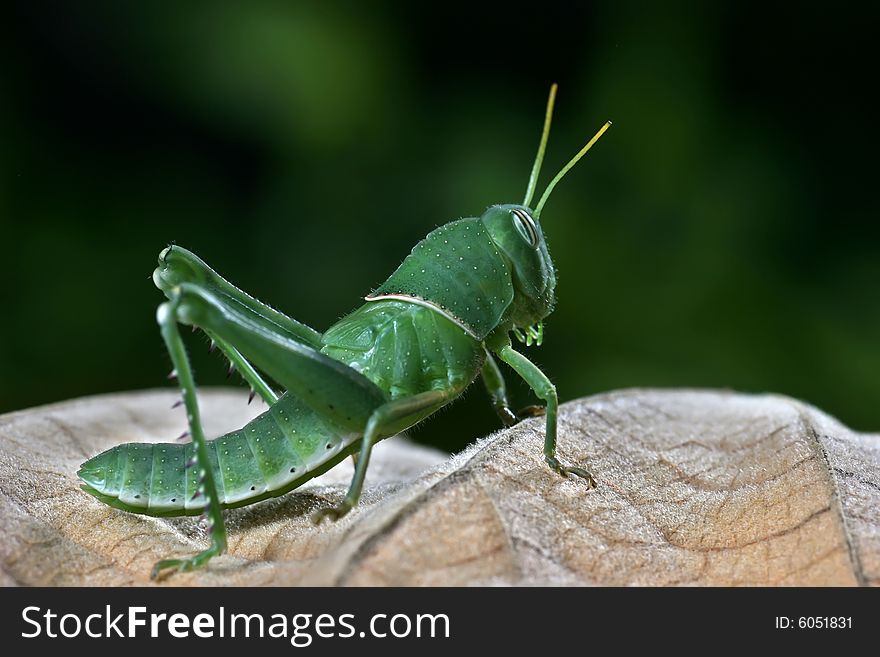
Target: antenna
(536,167)
(568,166)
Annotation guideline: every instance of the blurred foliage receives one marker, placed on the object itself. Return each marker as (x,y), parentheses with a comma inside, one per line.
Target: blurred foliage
(724,233)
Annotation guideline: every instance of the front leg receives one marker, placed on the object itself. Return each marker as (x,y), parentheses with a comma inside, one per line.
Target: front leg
(544,389)
(497,390)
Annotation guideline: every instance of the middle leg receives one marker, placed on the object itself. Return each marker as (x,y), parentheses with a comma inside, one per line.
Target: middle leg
(384,421)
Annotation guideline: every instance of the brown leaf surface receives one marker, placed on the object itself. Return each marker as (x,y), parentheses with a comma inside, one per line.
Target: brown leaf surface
(695,487)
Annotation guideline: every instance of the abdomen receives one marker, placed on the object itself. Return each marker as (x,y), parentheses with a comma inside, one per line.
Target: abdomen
(274,453)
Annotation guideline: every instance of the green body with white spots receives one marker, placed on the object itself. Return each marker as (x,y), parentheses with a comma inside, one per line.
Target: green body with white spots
(404,348)
(458,271)
(273,454)
(417,342)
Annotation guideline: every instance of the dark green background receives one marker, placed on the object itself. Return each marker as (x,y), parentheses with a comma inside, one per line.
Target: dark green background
(724,233)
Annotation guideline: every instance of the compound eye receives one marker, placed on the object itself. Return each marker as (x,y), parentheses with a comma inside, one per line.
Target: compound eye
(525,226)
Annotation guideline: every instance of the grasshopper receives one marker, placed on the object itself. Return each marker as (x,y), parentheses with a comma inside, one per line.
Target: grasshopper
(412,347)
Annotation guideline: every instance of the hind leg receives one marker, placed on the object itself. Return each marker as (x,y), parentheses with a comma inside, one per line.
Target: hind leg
(254,334)
(166,316)
(247,371)
(178,266)
(330,387)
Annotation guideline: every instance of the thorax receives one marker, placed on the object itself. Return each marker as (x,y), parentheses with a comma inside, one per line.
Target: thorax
(458,270)
(405,348)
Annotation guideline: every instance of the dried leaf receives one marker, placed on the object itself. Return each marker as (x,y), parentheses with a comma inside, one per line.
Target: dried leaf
(695,487)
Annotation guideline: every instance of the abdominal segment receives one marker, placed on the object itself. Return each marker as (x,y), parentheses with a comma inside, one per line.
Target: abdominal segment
(269,456)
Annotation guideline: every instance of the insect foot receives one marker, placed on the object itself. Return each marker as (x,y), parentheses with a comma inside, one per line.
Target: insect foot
(332,513)
(178,565)
(167,564)
(184,565)
(556,466)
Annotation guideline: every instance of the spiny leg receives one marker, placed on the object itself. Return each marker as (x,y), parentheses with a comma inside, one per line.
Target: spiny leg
(242,365)
(330,387)
(381,423)
(545,390)
(166,316)
(495,386)
(178,266)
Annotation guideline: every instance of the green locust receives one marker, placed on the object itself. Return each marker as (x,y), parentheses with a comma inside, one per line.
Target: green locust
(414,345)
